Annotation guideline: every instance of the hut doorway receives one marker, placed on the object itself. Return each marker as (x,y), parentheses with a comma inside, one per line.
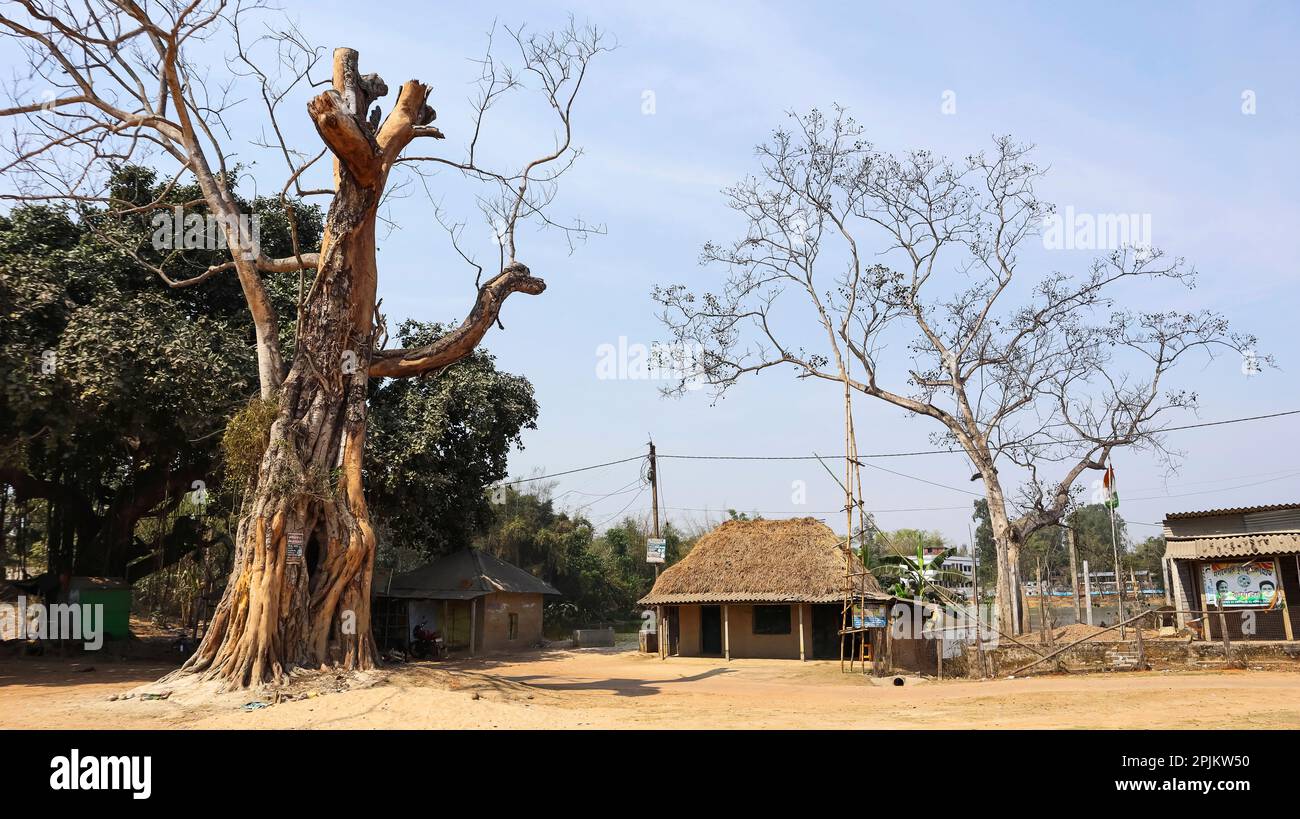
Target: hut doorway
(826,620)
(674,629)
(711,631)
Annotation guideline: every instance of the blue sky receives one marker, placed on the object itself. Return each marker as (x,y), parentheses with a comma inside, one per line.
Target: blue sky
(1136,109)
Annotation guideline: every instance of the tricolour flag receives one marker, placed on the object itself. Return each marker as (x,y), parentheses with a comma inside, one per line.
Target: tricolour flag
(1112,491)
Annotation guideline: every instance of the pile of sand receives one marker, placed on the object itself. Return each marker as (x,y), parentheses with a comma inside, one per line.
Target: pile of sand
(1077,631)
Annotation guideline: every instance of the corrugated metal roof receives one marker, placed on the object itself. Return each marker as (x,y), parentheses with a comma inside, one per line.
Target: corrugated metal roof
(1238,510)
(1271,543)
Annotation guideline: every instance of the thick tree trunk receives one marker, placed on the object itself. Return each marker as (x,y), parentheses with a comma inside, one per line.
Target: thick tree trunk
(1009,600)
(299,592)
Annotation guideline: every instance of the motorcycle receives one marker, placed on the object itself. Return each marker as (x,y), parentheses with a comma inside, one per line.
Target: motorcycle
(427,644)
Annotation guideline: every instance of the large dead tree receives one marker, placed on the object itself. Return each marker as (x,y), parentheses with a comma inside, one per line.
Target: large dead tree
(120,83)
(848,250)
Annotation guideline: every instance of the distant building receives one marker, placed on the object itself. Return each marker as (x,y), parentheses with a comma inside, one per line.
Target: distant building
(963,564)
(477,601)
(953,561)
(1242,560)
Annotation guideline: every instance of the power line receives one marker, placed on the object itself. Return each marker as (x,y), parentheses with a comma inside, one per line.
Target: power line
(962,451)
(874,455)
(860,457)
(621,511)
(623,490)
(923,480)
(570,471)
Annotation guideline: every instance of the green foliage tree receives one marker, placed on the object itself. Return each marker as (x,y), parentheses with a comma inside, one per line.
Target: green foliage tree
(116,388)
(907,541)
(435,444)
(600,576)
(1045,548)
(114,385)
(1092,536)
(1148,555)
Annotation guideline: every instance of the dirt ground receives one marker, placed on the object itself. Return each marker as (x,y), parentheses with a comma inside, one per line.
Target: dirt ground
(614,688)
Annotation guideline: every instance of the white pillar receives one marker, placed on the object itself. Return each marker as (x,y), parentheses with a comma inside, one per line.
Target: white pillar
(1087,590)
(801,652)
(726,632)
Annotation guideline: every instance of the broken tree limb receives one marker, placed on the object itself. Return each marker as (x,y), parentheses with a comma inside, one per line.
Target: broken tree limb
(460,341)
(353,146)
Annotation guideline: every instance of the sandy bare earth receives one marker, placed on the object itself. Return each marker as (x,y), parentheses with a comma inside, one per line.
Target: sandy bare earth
(598,688)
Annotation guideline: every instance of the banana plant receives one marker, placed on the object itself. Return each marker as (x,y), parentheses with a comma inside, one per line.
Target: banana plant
(910,576)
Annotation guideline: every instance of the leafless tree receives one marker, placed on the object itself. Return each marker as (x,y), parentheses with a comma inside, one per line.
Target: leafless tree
(848,249)
(116,81)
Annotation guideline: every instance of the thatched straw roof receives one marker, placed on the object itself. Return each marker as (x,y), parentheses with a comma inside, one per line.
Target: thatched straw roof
(761,561)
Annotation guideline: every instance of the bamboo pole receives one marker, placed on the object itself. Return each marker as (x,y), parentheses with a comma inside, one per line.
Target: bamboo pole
(975,598)
(1286,615)
(660,631)
(1043,626)
(1142,651)
(1119,577)
(1169,592)
(1074,576)
(1223,629)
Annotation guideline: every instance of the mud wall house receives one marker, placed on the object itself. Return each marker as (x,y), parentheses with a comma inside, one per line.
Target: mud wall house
(1247,560)
(759,589)
(476,600)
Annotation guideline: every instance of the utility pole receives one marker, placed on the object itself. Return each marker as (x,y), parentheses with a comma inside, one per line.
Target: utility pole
(975,598)
(654,495)
(1074,574)
(1119,578)
(1044,627)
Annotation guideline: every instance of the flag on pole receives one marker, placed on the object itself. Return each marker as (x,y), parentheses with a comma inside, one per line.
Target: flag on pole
(1112,491)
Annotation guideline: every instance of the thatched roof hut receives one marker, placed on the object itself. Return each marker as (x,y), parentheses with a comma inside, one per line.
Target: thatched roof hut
(761,561)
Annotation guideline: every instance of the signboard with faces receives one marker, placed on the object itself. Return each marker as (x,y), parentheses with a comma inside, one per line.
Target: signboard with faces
(1249,583)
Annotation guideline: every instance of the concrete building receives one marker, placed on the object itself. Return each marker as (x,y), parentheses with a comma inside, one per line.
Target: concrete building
(1244,562)
(957,574)
(476,600)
